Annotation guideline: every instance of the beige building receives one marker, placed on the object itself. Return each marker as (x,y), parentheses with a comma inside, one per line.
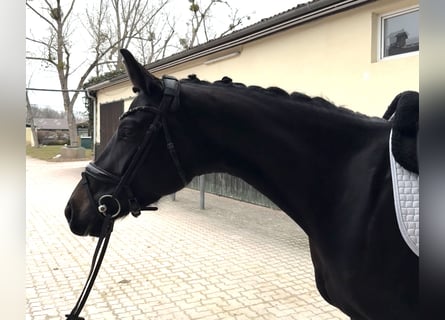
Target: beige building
(356,53)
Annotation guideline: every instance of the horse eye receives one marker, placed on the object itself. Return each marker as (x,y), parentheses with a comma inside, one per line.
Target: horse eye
(126,133)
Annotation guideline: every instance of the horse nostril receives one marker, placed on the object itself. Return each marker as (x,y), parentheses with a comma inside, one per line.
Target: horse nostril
(68,212)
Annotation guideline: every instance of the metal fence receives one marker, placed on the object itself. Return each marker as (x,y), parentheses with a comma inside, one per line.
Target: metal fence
(226,185)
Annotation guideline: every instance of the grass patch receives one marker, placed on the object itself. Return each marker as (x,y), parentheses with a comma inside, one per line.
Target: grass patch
(49,152)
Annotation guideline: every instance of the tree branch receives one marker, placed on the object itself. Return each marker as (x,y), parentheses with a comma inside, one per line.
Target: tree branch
(69,12)
(42,59)
(40,15)
(37,41)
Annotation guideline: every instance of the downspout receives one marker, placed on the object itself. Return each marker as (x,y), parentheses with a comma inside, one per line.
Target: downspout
(92,96)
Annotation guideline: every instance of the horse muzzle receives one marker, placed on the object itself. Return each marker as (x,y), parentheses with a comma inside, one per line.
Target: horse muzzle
(81,215)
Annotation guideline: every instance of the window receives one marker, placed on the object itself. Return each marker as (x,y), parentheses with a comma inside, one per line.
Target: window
(399,33)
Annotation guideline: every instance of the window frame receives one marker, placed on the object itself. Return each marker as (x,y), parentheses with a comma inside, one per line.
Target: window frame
(381,40)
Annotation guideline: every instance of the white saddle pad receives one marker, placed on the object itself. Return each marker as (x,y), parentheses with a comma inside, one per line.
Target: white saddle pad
(406,201)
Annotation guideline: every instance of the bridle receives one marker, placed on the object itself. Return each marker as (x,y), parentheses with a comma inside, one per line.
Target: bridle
(170,100)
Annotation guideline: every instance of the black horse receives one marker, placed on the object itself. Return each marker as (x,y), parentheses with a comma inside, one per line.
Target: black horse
(325,166)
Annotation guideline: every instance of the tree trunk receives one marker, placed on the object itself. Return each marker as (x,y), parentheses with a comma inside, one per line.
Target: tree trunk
(72,127)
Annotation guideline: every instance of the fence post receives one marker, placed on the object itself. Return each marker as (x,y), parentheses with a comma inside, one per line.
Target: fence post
(202,192)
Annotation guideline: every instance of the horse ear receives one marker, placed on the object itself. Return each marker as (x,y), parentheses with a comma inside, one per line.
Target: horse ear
(141,79)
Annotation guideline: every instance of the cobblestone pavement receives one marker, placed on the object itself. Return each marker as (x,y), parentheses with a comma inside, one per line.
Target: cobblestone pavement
(231,261)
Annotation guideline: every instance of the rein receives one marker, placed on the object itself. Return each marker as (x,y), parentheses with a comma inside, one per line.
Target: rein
(110,201)
(99,253)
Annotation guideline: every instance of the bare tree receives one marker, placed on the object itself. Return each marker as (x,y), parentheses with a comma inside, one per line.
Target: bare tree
(117,23)
(159,37)
(109,34)
(155,39)
(200,23)
(96,25)
(56,53)
(141,18)
(43,112)
(112,25)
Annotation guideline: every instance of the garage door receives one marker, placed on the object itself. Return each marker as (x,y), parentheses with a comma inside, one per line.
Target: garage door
(109,121)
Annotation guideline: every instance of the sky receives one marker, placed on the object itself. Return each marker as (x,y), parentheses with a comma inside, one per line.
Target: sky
(38,77)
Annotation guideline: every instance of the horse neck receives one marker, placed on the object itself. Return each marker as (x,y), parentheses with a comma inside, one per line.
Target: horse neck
(288,149)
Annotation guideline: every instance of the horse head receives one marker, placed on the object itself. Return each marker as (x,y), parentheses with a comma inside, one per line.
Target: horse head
(139,164)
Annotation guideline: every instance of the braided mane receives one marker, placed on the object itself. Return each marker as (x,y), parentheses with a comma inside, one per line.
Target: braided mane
(278,92)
